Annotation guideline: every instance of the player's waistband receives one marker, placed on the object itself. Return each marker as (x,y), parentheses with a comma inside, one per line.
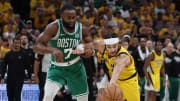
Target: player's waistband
(129,77)
(66,63)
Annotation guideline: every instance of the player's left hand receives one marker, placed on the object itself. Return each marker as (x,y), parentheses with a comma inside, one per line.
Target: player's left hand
(166,81)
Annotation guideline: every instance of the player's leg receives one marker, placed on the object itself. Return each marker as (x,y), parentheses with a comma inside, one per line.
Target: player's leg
(153,95)
(77,82)
(54,83)
(148,96)
(83,98)
(50,90)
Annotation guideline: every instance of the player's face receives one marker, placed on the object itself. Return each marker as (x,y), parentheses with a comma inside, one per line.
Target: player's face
(17,44)
(159,46)
(69,18)
(112,49)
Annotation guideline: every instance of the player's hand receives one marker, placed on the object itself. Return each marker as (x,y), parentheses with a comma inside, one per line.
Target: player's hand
(2,81)
(148,82)
(58,55)
(113,83)
(78,51)
(166,81)
(87,53)
(36,79)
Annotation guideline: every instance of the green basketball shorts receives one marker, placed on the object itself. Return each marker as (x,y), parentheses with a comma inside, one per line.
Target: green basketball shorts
(74,76)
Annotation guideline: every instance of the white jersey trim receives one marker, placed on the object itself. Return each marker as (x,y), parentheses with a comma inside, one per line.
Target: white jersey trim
(57,34)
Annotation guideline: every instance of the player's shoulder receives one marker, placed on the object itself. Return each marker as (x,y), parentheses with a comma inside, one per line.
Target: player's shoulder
(53,25)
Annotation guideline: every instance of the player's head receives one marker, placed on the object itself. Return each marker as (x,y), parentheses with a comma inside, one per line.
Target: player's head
(68,15)
(158,46)
(111,41)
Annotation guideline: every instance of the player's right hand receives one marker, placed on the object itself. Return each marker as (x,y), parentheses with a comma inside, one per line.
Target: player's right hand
(58,55)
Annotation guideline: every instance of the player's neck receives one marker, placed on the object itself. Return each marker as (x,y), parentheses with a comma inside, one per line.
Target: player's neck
(158,52)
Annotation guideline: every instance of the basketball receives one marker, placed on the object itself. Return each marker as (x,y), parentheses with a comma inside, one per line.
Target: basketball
(110,93)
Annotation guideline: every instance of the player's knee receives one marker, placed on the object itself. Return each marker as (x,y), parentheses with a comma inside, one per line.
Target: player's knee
(50,91)
(83,98)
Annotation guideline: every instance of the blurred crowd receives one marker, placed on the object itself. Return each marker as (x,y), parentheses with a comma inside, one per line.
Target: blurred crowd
(138,23)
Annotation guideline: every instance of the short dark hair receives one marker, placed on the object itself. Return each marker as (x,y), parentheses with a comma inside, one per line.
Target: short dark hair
(158,41)
(110,35)
(67,6)
(16,38)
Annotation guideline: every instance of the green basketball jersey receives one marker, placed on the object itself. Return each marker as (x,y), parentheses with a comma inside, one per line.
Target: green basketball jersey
(66,42)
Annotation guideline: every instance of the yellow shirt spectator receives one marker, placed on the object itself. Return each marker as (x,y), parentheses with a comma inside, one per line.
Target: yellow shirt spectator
(8,16)
(148,17)
(117,19)
(90,19)
(33,5)
(5,28)
(164,30)
(4,7)
(3,52)
(104,9)
(128,25)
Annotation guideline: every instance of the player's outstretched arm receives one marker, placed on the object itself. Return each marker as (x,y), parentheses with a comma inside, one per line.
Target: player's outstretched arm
(121,62)
(41,46)
(88,43)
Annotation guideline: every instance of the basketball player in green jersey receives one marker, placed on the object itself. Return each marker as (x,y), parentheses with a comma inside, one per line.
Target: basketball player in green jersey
(66,66)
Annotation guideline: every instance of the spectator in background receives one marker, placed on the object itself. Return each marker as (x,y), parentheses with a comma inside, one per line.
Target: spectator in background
(39,21)
(140,55)
(17,63)
(149,45)
(35,35)
(9,15)
(41,66)
(167,32)
(175,74)
(125,42)
(134,42)
(29,26)
(4,5)
(34,4)
(169,50)
(26,48)
(3,52)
